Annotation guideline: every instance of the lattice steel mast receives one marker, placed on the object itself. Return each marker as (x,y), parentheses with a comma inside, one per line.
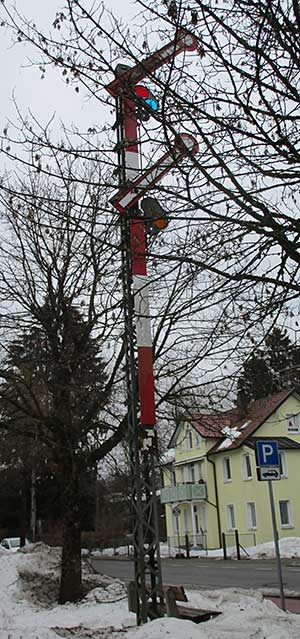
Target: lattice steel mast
(138,342)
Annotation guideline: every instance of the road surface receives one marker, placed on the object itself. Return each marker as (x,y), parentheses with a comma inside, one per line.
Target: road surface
(207,573)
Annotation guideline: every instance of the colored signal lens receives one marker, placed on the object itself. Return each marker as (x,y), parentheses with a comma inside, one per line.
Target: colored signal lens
(152,104)
(160,223)
(144,93)
(141,91)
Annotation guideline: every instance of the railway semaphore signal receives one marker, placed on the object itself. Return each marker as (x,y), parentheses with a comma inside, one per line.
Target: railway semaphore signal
(133,100)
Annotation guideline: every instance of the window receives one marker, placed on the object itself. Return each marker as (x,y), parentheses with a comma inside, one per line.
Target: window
(246,467)
(191,471)
(173,478)
(285,513)
(282,464)
(293,423)
(230,515)
(189,440)
(226,469)
(5,544)
(201,466)
(251,515)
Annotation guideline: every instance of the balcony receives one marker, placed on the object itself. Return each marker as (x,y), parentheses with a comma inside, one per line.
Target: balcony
(183,492)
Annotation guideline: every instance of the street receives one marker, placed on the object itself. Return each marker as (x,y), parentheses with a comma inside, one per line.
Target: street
(208,573)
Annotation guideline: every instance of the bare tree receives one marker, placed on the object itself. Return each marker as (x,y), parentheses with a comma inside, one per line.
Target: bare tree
(58,370)
(228,265)
(61,301)
(236,230)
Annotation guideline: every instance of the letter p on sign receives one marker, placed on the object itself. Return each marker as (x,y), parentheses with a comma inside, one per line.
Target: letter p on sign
(267,453)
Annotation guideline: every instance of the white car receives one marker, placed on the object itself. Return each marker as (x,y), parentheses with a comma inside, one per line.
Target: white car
(11,543)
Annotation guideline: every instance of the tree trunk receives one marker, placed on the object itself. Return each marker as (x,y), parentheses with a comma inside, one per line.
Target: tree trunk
(70,582)
(23,511)
(33,505)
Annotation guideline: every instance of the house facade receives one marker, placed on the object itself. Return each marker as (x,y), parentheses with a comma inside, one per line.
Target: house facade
(210,481)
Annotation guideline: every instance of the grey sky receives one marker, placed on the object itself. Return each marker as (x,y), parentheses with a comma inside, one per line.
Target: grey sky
(50,95)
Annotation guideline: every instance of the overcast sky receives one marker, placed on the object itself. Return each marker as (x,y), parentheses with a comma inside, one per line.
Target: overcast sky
(50,95)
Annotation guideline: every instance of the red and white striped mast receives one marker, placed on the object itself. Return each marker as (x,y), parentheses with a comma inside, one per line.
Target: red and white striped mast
(147,589)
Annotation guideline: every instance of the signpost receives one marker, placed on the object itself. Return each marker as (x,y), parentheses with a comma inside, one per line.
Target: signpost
(268,468)
(176,512)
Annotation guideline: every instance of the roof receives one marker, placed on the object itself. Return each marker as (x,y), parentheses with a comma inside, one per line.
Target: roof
(246,422)
(207,425)
(212,424)
(284,443)
(236,425)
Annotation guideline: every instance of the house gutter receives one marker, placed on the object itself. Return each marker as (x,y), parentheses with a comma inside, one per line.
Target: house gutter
(216,505)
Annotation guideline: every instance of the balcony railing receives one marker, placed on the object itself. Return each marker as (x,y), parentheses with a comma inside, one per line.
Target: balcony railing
(183,492)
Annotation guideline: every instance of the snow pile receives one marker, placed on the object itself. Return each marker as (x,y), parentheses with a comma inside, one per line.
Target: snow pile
(28,609)
(257,621)
(39,572)
(245,615)
(110,552)
(289,549)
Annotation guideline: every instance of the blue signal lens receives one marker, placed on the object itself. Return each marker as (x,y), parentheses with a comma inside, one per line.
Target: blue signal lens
(152,104)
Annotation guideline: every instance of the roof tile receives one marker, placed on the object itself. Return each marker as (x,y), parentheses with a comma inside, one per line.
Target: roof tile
(247,421)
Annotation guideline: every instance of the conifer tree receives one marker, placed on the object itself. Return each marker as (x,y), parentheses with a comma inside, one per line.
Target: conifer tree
(272,367)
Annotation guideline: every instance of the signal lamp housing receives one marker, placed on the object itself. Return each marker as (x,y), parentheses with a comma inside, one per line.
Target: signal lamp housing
(156,217)
(147,102)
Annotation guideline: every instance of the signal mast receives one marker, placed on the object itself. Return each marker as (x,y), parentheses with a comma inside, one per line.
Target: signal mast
(134,101)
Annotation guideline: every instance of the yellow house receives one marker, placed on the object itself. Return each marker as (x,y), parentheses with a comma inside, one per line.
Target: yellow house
(210,481)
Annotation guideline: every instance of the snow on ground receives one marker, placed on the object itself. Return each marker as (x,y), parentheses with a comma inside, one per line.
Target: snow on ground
(289,549)
(29,581)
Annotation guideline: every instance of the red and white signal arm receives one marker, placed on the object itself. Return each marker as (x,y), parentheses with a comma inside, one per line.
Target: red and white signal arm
(185,41)
(184,145)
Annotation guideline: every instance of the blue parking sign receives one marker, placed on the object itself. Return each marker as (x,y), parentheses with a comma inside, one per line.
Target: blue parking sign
(267,453)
